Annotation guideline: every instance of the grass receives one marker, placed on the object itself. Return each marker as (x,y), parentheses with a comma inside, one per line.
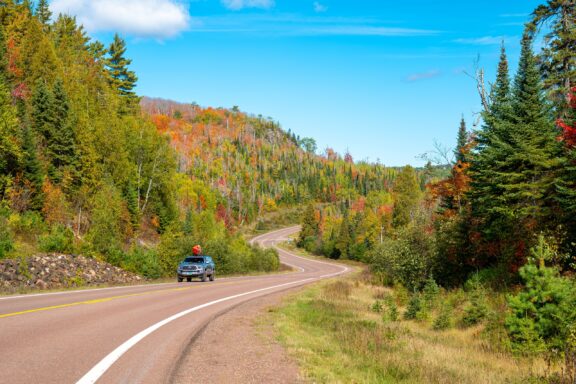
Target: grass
(335,334)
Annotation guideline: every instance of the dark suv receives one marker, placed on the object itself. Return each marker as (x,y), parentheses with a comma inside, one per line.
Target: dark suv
(196,266)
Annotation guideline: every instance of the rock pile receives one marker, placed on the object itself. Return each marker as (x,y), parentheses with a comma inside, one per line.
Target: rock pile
(54,271)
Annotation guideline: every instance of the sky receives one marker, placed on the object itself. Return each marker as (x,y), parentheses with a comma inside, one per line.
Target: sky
(384,80)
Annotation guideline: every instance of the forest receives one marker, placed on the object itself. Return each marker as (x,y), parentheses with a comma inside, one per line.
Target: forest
(89,167)
(502,224)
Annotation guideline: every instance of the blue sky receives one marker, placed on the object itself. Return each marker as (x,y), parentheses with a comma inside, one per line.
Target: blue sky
(381,79)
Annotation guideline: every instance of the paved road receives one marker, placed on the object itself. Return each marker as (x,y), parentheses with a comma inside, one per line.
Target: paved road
(128,334)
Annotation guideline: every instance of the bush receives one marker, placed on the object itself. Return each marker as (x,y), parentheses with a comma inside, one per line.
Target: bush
(377,306)
(142,261)
(444,319)
(414,307)
(29,225)
(542,314)
(60,239)
(392,314)
(430,293)
(6,241)
(477,309)
(408,259)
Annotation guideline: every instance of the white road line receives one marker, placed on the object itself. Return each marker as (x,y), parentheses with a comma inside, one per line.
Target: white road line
(99,369)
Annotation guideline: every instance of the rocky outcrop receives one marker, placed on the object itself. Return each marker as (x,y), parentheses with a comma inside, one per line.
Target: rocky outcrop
(55,271)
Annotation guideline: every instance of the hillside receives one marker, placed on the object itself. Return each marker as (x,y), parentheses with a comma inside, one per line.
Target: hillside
(254,165)
(89,167)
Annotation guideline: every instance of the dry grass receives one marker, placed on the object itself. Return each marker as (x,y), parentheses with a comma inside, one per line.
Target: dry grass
(336,337)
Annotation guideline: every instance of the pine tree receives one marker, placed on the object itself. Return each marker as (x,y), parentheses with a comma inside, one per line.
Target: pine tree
(42,110)
(515,164)
(62,143)
(32,169)
(43,13)
(120,78)
(462,140)
(309,225)
(557,60)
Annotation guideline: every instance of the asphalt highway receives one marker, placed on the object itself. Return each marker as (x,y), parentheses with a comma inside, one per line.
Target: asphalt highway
(133,334)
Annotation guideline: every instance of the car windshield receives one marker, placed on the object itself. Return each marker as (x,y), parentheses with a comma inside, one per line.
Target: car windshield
(194,260)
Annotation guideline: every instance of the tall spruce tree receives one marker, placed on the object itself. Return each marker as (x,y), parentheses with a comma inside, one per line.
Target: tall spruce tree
(43,13)
(43,111)
(32,169)
(557,60)
(62,143)
(120,77)
(462,140)
(514,166)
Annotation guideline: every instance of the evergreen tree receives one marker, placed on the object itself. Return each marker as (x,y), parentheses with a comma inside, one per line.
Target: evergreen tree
(62,142)
(557,60)
(43,13)
(309,225)
(42,110)
(462,140)
(514,167)
(120,77)
(32,169)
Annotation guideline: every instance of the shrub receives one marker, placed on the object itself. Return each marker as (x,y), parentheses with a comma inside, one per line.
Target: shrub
(444,319)
(142,261)
(60,239)
(430,293)
(414,307)
(377,306)
(477,309)
(6,241)
(541,315)
(408,259)
(392,314)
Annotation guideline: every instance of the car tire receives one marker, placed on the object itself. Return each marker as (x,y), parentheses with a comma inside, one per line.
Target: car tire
(204,277)
(188,279)
(180,279)
(212,276)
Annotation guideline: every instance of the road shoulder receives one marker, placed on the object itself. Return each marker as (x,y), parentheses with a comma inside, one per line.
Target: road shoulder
(248,354)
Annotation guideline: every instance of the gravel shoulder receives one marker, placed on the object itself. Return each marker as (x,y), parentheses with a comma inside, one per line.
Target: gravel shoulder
(239,347)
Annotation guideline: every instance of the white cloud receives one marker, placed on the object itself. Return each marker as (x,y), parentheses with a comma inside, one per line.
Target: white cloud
(236,5)
(423,76)
(141,18)
(486,40)
(319,8)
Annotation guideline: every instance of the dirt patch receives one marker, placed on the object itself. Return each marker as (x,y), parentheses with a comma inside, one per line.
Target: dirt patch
(249,354)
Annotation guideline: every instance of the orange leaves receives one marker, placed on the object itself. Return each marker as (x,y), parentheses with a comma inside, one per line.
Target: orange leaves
(56,209)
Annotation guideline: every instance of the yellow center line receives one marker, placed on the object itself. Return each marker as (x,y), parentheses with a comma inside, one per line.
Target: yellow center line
(104,300)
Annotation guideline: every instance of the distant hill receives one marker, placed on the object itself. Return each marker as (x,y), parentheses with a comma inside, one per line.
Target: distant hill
(255,165)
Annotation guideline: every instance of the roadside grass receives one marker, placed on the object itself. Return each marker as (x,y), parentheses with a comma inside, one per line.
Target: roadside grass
(338,335)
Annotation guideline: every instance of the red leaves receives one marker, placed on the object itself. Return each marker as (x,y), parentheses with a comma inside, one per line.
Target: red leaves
(569,128)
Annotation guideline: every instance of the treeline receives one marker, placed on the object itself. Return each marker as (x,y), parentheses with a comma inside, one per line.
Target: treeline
(506,213)
(254,165)
(82,169)
(87,166)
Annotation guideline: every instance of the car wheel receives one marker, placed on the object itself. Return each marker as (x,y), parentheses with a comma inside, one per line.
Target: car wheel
(204,277)
(188,279)
(212,277)
(180,279)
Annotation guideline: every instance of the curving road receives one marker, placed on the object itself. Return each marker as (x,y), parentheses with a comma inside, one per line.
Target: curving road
(132,334)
